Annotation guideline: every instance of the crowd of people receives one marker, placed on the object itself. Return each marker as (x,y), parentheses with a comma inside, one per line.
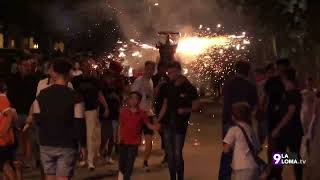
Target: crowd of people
(286,117)
(68,115)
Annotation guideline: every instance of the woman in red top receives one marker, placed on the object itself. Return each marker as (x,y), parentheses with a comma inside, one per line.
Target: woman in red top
(6,135)
(132,120)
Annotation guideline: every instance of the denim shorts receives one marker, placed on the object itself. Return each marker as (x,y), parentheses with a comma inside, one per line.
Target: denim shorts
(58,161)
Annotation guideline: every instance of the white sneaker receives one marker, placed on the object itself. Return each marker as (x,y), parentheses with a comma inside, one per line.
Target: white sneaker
(110,160)
(91,167)
(82,163)
(146,167)
(120,176)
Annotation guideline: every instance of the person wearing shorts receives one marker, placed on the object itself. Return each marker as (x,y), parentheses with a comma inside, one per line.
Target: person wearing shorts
(58,161)
(57,110)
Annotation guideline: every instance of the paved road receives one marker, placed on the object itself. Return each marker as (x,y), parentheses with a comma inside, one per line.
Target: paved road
(202,153)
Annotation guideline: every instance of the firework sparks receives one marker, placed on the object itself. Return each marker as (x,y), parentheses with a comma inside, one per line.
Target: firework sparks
(206,56)
(209,57)
(199,45)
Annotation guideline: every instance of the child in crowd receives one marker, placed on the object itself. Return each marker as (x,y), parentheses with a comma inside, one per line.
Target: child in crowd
(7,150)
(243,164)
(132,119)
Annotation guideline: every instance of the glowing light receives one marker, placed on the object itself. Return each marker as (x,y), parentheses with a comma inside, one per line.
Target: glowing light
(137,53)
(122,54)
(130,72)
(200,27)
(238,46)
(146,46)
(185,71)
(198,45)
(218,25)
(246,41)
(94,66)
(156,4)
(35,46)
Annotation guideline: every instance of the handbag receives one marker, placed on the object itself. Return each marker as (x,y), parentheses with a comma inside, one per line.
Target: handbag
(262,165)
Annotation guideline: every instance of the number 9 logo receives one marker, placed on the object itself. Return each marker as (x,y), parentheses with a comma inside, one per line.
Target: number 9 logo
(276,158)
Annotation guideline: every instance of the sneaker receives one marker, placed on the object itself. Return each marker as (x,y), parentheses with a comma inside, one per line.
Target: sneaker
(120,176)
(92,167)
(146,166)
(110,160)
(164,163)
(82,163)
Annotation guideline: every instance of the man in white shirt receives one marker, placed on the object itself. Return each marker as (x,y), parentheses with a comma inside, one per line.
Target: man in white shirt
(144,86)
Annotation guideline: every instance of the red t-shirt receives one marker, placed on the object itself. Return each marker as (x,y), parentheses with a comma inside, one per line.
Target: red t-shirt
(7,137)
(131,124)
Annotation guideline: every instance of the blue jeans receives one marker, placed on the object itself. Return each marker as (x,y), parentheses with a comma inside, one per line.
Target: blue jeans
(128,154)
(225,170)
(174,143)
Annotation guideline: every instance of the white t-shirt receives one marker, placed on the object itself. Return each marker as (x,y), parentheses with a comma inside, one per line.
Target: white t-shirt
(145,87)
(43,84)
(75,73)
(242,157)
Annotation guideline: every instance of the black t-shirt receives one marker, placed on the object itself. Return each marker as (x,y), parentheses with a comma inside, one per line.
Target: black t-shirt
(156,79)
(88,88)
(113,98)
(294,127)
(22,92)
(177,97)
(237,89)
(56,110)
(275,92)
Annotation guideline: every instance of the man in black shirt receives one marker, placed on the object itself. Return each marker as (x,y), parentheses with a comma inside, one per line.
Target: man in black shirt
(109,126)
(236,89)
(158,81)
(22,88)
(274,90)
(285,129)
(89,89)
(180,98)
(58,113)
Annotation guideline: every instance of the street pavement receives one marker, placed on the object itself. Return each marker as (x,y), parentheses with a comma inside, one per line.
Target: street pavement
(201,153)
